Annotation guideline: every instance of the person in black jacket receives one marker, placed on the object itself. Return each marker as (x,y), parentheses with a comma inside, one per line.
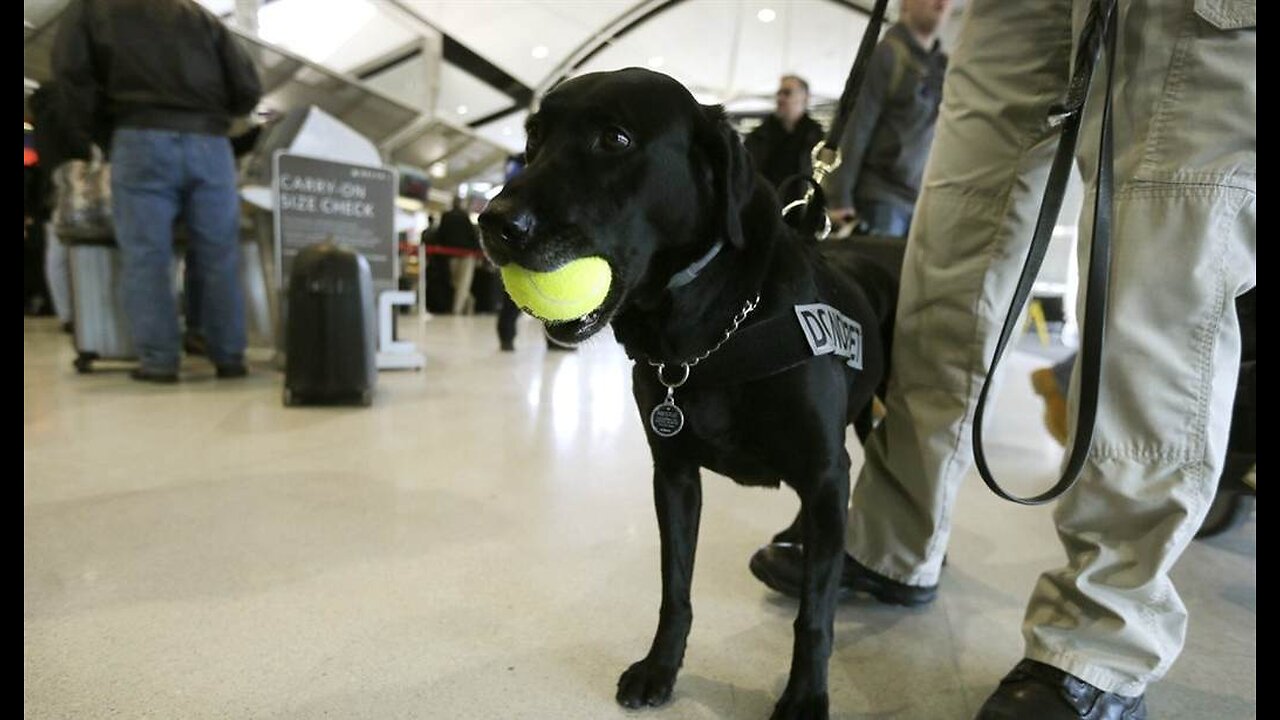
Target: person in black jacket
(781,147)
(458,232)
(163,80)
(50,142)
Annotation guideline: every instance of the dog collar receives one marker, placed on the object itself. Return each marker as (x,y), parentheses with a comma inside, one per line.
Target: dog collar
(690,273)
(667,419)
(764,348)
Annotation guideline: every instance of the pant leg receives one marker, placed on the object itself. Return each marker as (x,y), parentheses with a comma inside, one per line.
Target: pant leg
(1184,246)
(212,210)
(463,270)
(146,176)
(972,225)
(191,290)
(507,317)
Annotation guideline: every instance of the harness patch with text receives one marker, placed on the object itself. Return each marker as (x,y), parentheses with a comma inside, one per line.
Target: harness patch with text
(830,332)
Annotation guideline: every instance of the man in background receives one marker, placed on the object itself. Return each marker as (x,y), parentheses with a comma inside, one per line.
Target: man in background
(781,147)
(162,79)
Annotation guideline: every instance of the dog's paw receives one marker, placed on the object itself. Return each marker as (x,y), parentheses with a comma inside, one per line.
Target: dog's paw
(800,706)
(646,683)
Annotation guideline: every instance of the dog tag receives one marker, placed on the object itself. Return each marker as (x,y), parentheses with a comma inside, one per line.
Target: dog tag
(666,419)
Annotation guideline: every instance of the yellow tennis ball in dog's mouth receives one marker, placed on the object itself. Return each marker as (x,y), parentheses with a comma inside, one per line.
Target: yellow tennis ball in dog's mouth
(566,293)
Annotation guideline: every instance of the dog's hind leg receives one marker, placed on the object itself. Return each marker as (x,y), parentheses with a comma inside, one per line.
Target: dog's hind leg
(677,496)
(824,507)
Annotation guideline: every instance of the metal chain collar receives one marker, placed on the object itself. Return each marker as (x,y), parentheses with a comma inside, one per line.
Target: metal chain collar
(747,308)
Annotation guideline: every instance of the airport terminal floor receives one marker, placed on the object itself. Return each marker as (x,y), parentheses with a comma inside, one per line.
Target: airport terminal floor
(481,543)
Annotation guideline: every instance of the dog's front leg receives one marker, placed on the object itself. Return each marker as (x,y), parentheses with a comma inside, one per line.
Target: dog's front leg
(823,505)
(677,495)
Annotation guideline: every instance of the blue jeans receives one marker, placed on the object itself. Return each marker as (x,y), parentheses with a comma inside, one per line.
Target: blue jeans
(157,178)
(880,218)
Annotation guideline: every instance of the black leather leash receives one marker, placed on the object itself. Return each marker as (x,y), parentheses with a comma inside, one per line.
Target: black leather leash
(1099,32)
(853,84)
(826,154)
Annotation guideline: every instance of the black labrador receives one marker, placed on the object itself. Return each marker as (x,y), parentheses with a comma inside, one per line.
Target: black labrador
(627,166)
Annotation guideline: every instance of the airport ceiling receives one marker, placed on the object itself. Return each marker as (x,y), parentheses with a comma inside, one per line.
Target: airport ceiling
(370,61)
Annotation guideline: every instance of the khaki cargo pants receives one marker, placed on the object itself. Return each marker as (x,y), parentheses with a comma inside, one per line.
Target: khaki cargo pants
(1184,247)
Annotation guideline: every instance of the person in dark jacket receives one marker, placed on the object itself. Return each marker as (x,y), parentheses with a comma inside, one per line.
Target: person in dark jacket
(51,148)
(163,79)
(781,147)
(458,232)
(888,136)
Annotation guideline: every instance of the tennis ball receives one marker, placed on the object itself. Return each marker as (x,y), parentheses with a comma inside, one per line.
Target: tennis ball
(566,293)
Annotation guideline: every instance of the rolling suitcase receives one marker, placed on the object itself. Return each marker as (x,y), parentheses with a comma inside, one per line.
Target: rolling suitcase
(330,331)
(82,218)
(100,323)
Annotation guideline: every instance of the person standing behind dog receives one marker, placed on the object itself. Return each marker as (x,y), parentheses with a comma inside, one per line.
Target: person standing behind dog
(509,313)
(1101,628)
(50,140)
(166,77)
(781,147)
(887,139)
(457,231)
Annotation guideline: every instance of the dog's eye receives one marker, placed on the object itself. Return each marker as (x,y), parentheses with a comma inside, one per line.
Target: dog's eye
(614,140)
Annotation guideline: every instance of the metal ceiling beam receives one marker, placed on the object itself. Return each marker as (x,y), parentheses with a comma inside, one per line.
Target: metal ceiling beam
(389,60)
(619,27)
(484,163)
(467,60)
(603,38)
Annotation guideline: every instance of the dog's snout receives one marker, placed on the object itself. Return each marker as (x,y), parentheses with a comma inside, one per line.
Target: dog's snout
(503,220)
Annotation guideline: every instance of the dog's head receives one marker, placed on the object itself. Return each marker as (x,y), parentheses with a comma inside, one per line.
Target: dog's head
(628,167)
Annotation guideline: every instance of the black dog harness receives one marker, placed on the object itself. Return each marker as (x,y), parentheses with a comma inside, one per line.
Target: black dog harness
(759,350)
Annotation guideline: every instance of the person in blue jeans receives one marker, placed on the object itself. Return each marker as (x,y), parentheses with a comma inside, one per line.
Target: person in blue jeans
(168,78)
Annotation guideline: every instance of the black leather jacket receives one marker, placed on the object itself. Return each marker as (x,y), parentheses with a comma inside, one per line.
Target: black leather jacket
(159,64)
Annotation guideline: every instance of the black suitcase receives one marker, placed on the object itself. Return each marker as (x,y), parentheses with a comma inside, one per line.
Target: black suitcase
(331,335)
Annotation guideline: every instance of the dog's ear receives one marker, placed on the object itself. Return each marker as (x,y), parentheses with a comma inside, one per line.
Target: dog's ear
(731,173)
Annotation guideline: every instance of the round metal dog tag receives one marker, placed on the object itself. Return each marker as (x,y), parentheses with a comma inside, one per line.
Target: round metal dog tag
(666,419)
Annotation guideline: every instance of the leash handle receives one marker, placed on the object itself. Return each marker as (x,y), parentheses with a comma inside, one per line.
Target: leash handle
(1099,32)
(825,155)
(807,223)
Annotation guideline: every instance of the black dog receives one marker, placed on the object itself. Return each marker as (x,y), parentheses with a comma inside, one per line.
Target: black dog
(627,166)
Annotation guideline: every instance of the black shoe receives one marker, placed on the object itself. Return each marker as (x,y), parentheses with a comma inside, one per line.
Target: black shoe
(1036,690)
(781,567)
(154,376)
(507,345)
(232,370)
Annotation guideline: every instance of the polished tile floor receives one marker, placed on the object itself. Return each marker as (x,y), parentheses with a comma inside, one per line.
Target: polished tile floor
(481,544)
